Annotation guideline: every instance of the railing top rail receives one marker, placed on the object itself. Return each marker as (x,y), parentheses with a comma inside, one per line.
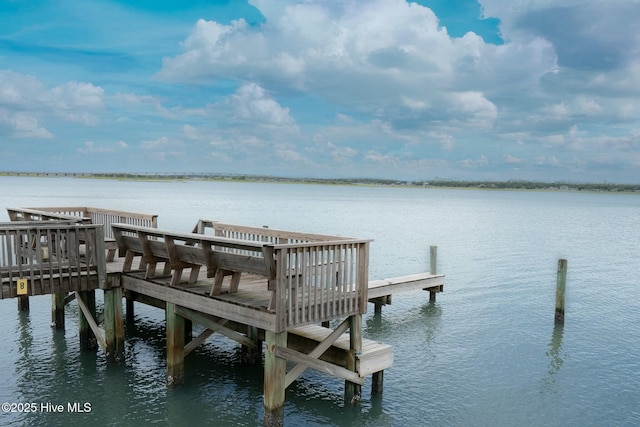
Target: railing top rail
(191,237)
(271,232)
(48,214)
(322,243)
(45,225)
(90,210)
(230,242)
(34,224)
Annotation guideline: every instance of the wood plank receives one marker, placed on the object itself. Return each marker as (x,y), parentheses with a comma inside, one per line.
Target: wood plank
(297,370)
(214,307)
(385,287)
(215,324)
(92,323)
(319,365)
(374,357)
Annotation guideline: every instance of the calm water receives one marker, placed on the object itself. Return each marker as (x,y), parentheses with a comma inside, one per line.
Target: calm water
(485,354)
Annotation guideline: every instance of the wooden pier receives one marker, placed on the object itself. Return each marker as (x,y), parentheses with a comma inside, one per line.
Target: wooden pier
(254,285)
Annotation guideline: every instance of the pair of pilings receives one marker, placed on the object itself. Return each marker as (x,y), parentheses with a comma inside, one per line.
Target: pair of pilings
(275,381)
(90,336)
(433,261)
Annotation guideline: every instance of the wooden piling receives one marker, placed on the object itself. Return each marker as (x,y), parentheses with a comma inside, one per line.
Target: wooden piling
(274,379)
(114,325)
(560,290)
(251,355)
(433,260)
(57,310)
(129,309)
(175,346)
(87,338)
(352,391)
(23,303)
(377,381)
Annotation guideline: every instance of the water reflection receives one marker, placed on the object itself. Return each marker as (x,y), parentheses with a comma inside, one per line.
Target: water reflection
(554,353)
(431,314)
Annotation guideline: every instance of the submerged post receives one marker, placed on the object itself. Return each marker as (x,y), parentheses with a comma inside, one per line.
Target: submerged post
(433,260)
(560,287)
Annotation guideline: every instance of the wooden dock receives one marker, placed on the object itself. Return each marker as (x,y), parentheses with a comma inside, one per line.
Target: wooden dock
(253,285)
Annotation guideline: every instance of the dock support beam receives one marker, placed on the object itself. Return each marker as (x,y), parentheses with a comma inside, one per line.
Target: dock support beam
(175,346)
(433,260)
(87,338)
(352,391)
(57,310)
(275,369)
(114,325)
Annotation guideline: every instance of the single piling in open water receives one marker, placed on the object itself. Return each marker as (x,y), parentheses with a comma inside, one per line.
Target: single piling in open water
(560,289)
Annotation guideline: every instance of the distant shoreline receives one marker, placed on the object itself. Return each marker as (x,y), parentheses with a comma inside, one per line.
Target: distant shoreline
(436,183)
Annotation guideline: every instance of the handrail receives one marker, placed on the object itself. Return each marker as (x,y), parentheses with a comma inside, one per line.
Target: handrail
(105,217)
(52,256)
(260,233)
(27,214)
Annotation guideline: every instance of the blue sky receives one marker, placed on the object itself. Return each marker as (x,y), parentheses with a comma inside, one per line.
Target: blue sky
(482,90)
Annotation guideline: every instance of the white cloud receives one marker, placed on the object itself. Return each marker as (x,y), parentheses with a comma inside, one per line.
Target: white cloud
(90,147)
(72,101)
(474,163)
(76,101)
(23,125)
(363,54)
(252,103)
(512,160)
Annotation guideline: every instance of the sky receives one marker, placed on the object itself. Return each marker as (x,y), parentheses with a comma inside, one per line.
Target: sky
(545,90)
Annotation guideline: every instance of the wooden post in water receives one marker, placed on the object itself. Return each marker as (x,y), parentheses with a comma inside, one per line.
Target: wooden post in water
(87,338)
(352,392)
(57,310)
(275,369)
(250,355)
(560,287)
(433,259)
(23,303)
(377,382)
(175,346)
(114,325)
(129,309)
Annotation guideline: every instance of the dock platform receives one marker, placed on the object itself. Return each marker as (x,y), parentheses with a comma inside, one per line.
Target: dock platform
(270,290)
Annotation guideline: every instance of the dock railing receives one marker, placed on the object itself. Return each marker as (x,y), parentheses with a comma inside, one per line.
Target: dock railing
(309,281)
(106,217)
(259,234)
(50,257)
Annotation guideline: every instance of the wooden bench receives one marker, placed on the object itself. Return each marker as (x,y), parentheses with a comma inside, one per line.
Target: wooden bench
(180,251)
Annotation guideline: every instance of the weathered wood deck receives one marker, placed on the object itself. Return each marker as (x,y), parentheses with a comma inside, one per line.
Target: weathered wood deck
(251,284)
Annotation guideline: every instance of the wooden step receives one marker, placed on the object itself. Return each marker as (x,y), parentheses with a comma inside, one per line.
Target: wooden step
(375,356)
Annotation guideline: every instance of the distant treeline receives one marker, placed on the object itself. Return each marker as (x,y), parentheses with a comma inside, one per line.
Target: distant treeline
(444,183)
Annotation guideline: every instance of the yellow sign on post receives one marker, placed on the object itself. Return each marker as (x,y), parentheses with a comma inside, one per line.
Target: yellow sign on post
(23,287)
